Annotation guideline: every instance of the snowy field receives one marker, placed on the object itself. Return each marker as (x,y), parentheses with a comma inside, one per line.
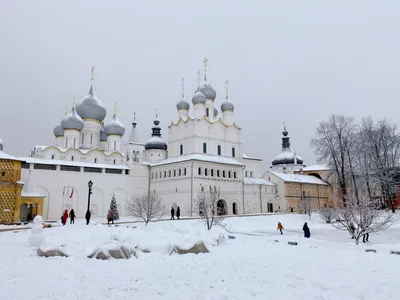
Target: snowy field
(252,266)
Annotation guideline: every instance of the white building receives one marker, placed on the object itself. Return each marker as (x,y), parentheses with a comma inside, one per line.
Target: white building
(203,148)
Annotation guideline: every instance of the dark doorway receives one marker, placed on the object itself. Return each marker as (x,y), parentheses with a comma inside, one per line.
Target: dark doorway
(270,207)
(234,208)
(221,207)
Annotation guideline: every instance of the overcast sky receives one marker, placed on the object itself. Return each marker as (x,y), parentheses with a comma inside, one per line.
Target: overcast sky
(293,61)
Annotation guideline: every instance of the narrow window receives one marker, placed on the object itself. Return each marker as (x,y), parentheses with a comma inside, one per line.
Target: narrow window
(180,172)
(176,190)
(207,112)
(234,174)
(3,173)
(229,174)
(95,160)
(165,174)
(174,173)
(184,172)
(156,175)
(219,149)
(169,173)
(233,152)
(212,172)
(181,149)
(245,174)
(74,142)
(223,173)
(114,161)
(204,148)
(199,172)
(82,137)
(160,175)
(115,145)
(251,173)
(66,142)
(52,157)
(217,173)
(91,139)
(72,158)
(206,172)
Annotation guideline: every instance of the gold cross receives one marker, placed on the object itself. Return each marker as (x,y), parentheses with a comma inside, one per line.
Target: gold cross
(91,79)
(183,88)
(198,78)
(205,64)
(115,108)
(226,87)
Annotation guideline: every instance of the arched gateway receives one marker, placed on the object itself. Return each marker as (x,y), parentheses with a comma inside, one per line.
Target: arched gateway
(221,207)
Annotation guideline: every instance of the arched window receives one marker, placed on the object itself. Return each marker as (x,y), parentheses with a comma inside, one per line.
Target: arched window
(229,174)
(223,173)
(114,161)
(217,173)
(212,172)
(180,172)
(160,174)
(95,160)
(206,172)
(251,173)
(199,171)
(72,158)
(184,172)
(207,112)
(115,145)
(234,174)
(152,175)
(156,175)
(66,142)
(52,156)
(165,174)
(174,173)
(245,174)
(169,173)
(83,137)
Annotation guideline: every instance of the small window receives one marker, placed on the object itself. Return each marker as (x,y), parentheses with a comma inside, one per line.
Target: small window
(184,172)
(115,145)
(229,174)
(217,173)
(199,171)
(95,160)
(152,175)
(52,156)
(165,174)
(82,137)
(251,173)
(219,149)
(174,173)
(181,149)
(91,139)
(66,142)
(74,142)
(126,172)
(207,112)
(3,173)
(234,174)
(156,175)
(72,158)
(245,174)
(180,172)
(233,152)
(212,172)
(176,190)
(223,173)
(204,147)
(205,172)
(169,173)
(114,161)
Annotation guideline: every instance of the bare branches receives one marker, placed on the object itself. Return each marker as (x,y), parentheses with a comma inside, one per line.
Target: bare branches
(146,207)
(327,214)
(207,208)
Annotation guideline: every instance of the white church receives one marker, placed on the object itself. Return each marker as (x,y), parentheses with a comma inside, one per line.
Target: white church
(204,147)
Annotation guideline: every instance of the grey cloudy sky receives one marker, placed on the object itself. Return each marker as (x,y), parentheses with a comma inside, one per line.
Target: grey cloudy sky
(293,61)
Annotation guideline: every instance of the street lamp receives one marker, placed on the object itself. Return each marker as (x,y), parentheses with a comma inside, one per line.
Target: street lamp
(88,214)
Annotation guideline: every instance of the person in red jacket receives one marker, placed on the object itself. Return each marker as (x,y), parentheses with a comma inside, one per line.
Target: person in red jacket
(65,217)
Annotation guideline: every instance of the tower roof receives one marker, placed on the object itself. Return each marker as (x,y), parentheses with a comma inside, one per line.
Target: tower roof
(286,156)
(156,142)
(134,138)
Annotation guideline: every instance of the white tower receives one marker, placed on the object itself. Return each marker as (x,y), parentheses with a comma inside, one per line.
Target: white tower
(183,106)
(72,124)
(227,108)
(114,131)
(155,147)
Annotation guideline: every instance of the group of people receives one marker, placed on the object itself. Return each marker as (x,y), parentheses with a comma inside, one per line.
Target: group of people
(65,215)
(365,235)
(178,213)
(306,229)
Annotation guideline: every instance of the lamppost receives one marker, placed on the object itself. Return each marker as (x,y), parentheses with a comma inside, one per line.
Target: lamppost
(88,214)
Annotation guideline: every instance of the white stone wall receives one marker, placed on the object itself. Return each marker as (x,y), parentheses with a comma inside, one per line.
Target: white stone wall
(90,134)
(253,167)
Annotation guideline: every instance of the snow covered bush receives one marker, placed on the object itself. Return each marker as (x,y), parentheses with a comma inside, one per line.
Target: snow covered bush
(146,207)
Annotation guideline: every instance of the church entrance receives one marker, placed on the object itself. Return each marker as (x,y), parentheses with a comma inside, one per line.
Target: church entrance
(221,207)
(234,211)
(270,208)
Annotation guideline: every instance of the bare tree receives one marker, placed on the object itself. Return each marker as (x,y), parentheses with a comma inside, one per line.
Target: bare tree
(206,206)
(146,207)
(306,206)
(361,216)
(327,214)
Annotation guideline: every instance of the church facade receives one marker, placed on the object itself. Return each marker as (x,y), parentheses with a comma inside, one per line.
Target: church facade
(204,147)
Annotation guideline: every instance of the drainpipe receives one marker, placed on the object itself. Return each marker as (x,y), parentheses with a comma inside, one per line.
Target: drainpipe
(191,191)
(148,191)
(244,209)
(260,200)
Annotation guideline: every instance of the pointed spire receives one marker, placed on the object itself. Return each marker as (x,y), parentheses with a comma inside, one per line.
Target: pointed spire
(205,67)
(115,108)
(183,88)
(133,138)
(226,89)
(284,126)
(198,78)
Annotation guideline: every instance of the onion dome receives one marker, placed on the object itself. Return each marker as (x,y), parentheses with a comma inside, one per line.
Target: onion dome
(156,142)
(72,121)
(114,126)
(207,90)
(215,112)
(287,156)
(183,104)
(227,105)
(1,145)
(103,135)
(198,98)
(91,108)
(58,131)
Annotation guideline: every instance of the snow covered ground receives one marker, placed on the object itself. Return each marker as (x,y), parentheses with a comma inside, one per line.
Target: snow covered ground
(252,266)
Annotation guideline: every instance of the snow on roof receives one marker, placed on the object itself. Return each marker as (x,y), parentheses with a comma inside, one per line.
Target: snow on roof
(259,181)
(31,160)
(83,151)
(317,168)
(299,178)
(249,157)
(29,189)
(4,155)
(199,157)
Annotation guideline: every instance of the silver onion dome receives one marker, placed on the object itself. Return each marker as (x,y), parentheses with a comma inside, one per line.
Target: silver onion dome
(227,105)
(183,104)
(207,90)
(72,121)
(114,126)
(58,131)
(198,98)
(215,112)
(156,142)
(103,135)
(91,107)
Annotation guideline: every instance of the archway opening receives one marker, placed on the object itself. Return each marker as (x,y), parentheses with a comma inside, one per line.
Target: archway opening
(270,208)
(234,208)
(221,207)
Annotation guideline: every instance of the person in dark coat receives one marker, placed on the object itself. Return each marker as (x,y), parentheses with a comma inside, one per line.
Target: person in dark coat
(352,229)
(178,212)
(110,217)
(366,237)
(65,217)
(306,230)
(72,217)
(172,213)
(87,217)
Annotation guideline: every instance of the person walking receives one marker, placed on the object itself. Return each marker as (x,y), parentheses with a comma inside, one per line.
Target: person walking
(65,217)
(72,217)
(365,237)
(352,230)
(110,217)
(178,212)
(306,230)
(172,213)
(280,227)
(87,217)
